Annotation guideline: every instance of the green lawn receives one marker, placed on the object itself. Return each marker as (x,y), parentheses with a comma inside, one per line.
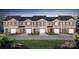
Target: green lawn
(41,44)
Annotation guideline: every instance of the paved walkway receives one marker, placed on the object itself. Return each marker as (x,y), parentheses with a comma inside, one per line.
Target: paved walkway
(44,37)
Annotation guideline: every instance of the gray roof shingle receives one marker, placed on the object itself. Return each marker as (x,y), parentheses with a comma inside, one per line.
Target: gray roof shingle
(35,18)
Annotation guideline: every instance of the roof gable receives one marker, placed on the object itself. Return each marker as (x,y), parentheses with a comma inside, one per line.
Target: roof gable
(25,18)
(42,19)
(36,18)
(71,19)
(10,17)
(56,20)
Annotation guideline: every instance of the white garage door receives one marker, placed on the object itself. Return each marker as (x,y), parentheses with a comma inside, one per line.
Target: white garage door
(28,31)
(42,30)
(13,31)
(71,30)
(56,31)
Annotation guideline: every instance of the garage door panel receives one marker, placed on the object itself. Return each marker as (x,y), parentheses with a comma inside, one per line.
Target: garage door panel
(56,31)
(13,31)
(71,30)
(42,30)
(28,31)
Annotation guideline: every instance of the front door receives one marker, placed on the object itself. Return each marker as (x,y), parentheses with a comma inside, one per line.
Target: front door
(50,29)
(22,30)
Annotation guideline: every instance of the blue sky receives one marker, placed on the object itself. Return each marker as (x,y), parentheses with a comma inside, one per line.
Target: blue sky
(32,12)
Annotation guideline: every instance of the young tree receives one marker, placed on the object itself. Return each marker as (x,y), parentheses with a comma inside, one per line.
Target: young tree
(1,23)
(77,24)
(5,42)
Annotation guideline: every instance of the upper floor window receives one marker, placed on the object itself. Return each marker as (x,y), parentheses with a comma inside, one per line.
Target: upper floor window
(11,23)
(64,23)
(21,23)
(73,23)
(40,23)
(25,23)
(28,23)
(56,23)
(15,23)
(8,24)
(6,30)
(44,23)
(35,23)
(50,23)
(4,23)
(70,23)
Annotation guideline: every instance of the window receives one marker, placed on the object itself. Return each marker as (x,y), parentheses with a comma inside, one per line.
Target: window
(34,23)
(6,30)
(40,24)
(56,23)
(50,23)
(4,23)
(21,23)
(73,23)
(28,23)
(11,23)
(44,23)
(7,23)
(25,23)
(70,23)
(64,23)
(15,24)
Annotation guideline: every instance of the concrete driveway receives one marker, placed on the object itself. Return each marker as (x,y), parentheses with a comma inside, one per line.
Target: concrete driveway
(43,37)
